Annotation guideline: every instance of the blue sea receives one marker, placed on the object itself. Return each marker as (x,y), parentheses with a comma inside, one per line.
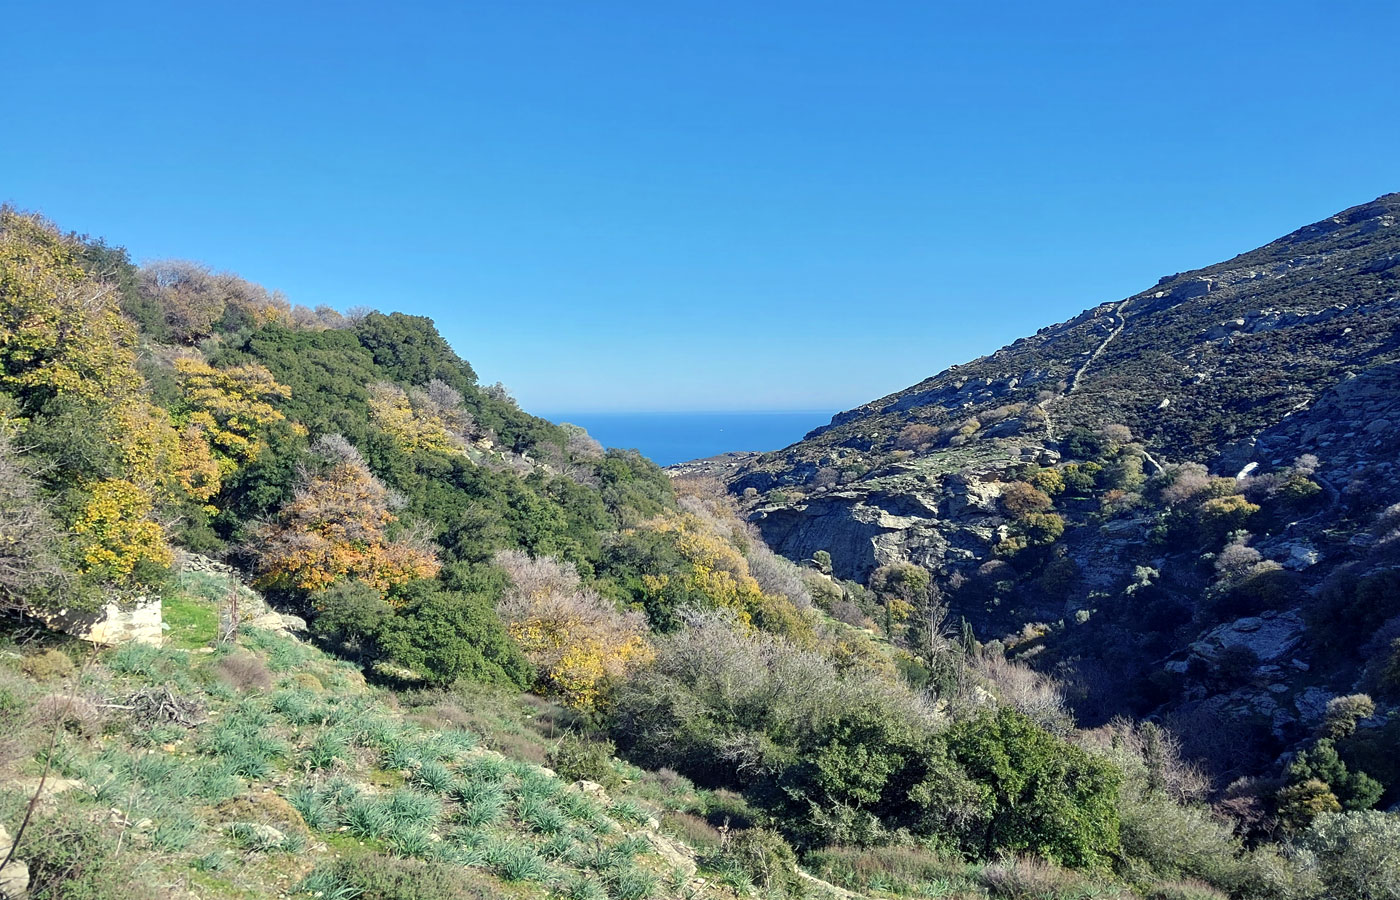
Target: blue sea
(672,437)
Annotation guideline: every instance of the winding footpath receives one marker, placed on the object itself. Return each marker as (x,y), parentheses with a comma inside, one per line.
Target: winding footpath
(1120,316)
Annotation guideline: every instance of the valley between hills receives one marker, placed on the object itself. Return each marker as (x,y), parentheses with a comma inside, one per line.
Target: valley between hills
(295,605)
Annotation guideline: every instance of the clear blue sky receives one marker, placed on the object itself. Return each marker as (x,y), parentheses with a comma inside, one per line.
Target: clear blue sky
(685,205)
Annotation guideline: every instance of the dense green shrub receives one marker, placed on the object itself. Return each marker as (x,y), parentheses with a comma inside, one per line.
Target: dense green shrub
(449,635)
(1354,790)
(1038,794)
(580,759)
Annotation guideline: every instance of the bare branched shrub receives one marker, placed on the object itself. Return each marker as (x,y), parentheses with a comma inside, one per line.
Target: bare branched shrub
(581,444)
(1187,480)
(76,714)
(1000,413)
(1237,559)
(31,571)
(335,449)
(330,318)
(536,576)
(775,574)
(845,611)
(1154,753)
(580,641)
(243,672)
(440,401)
(765,685)
(1038,697)
(916,437)
(1116,433)
(1020,499)
(193,298)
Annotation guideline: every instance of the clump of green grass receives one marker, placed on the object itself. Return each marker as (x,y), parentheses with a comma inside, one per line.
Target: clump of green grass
(435,777)
(175,831)
(634,884)
(298,707)
(326,750)
(325,882)
(633,845)
(400,753)
(486,768)
(540,815)
(582,887)
(215,782)
(316,808)
(516,862)
(629,811)
(282,653)
(244,742)
(413,809)
(557,847)
(138,659)
(412,841)
(578,806)
(367,817)
(340,791)
(484,809)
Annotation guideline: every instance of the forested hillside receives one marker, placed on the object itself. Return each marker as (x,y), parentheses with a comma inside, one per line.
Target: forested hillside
(412,642)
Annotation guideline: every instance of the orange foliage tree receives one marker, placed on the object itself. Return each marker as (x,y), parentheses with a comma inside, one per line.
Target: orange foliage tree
(337,526)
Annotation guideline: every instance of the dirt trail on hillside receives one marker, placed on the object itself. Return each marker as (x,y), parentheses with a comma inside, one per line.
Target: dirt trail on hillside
(1120,315)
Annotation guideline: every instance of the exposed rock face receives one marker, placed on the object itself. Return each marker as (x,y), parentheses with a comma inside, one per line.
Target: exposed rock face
(14,878)
(1270,637)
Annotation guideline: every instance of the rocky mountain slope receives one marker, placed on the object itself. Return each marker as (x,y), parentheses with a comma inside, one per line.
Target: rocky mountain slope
(1278,370)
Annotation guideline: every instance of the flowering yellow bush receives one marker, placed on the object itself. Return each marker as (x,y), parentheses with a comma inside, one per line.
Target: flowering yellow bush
(231,406)
(336,527)
(116,531)
(717,569)
(61,331)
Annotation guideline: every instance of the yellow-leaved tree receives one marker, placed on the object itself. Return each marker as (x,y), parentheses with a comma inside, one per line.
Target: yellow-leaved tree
(224,414)
(61,331)
(719,572)
(580,642)
(337,526)
(413,426)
